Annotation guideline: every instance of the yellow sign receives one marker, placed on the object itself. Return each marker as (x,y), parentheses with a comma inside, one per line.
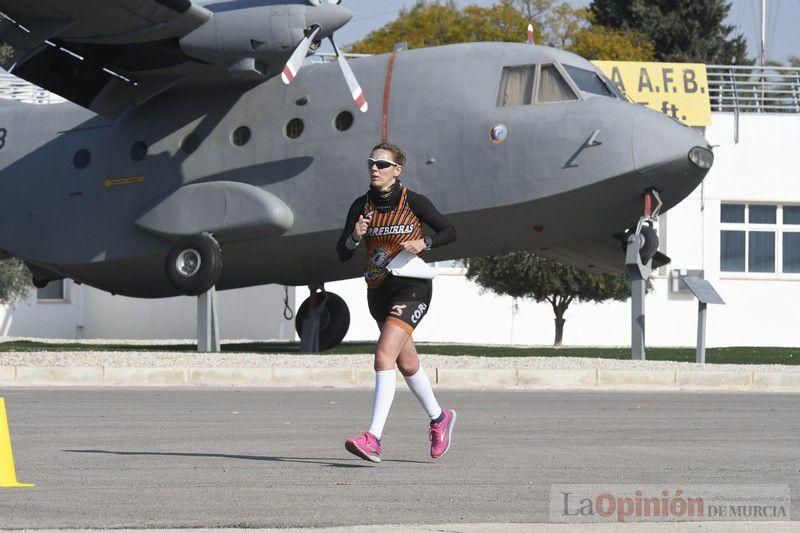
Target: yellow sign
(679,90)
(123,181)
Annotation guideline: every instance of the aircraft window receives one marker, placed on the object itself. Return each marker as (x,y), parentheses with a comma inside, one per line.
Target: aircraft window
(588,81)
(138,151)
(190,143)
(516,86)
(82,158)
(344,121)
(614,88)
(294,129)
(553,87)
(241,136)
(53,291)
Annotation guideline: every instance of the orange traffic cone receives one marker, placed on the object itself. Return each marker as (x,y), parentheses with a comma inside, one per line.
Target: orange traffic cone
(8,476)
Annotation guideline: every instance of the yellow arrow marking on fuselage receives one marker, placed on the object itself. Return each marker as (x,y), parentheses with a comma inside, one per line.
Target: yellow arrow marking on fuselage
(123,181)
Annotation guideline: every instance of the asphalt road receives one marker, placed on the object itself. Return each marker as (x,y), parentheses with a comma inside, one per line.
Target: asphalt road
(275,458)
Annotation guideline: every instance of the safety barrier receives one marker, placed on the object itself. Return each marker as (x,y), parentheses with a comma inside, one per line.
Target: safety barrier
(748,89)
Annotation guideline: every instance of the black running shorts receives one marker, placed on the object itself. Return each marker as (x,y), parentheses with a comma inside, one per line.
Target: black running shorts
(400,301)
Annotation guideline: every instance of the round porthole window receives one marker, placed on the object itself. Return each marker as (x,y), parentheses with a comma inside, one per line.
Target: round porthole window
(190,143)
(294,129)
(138,151)
(82,158)
(241,136)
(343,121)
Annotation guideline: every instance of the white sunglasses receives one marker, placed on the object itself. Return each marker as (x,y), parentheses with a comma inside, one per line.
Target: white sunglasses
(381,163)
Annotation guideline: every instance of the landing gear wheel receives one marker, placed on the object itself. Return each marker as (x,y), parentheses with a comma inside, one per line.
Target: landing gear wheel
(649,245)
(194,264)
(334,322)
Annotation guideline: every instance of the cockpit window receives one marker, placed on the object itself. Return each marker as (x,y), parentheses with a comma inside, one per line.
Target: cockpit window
(516,86)
(589,81)
(553,87)
(614,88)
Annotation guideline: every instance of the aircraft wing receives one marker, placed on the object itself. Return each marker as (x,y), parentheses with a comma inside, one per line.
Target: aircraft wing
(105,55)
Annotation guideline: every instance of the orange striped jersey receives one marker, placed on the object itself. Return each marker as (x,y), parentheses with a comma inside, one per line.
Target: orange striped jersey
(387,230)
(384,235)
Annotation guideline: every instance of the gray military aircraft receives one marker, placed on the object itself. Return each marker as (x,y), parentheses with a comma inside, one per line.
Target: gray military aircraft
(194,138)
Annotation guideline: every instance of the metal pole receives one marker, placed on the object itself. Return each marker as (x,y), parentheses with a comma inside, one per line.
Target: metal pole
(637,319)
(207,323)
(763,32)
(638,273)
(701,332)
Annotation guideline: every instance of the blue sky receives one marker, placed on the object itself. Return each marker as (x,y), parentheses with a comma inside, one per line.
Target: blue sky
(783,17)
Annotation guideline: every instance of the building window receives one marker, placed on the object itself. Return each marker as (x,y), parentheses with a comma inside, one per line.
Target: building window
(760,239)
(53,291)
(791,239)
(454,267)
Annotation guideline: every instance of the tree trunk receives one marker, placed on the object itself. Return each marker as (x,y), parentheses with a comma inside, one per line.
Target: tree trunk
(559,331)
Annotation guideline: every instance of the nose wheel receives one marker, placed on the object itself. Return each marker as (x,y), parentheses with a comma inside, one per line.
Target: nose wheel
(641,247)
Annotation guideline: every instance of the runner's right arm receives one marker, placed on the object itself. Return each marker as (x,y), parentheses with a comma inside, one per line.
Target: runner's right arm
(346,246)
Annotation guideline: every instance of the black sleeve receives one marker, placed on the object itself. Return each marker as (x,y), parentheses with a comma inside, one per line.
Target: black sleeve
(427,213)
(356,209)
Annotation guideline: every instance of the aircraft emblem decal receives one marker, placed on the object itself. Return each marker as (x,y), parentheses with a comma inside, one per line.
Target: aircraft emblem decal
(499,133)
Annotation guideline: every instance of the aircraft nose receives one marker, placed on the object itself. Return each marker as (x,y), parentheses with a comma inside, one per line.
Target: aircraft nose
(674,157)
(329,17)
(657,139)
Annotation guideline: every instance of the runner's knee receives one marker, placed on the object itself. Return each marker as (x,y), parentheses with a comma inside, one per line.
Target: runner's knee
(384,359)
(408,368)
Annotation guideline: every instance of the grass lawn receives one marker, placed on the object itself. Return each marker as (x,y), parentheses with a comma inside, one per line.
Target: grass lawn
(733,355)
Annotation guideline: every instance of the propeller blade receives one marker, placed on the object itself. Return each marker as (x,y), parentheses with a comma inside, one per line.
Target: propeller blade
(298,57)
(530,33)
(352,82)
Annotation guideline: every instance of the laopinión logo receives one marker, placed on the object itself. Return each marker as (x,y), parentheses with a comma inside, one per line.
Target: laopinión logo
(668,503)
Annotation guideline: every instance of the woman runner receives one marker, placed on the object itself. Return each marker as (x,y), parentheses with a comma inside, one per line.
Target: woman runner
(388,218)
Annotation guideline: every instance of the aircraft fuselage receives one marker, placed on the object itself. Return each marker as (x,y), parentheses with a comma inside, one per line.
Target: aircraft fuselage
(545,186)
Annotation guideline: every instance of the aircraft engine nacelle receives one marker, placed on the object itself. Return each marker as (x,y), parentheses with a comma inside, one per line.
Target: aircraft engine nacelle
(261,36)
(266,34)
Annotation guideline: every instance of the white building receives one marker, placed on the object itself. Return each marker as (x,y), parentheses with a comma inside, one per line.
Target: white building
(741,228)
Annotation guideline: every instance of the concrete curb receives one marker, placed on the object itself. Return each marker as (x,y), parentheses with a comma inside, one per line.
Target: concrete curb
(490,378)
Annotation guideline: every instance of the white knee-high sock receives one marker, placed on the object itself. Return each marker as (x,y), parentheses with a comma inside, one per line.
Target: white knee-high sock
(420,385)
(385,383)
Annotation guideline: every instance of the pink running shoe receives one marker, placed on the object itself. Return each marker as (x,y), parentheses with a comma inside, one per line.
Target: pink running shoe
(440,434)
(366,446)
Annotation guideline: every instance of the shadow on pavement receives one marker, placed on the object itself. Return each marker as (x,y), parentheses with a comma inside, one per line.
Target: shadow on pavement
(324,461)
